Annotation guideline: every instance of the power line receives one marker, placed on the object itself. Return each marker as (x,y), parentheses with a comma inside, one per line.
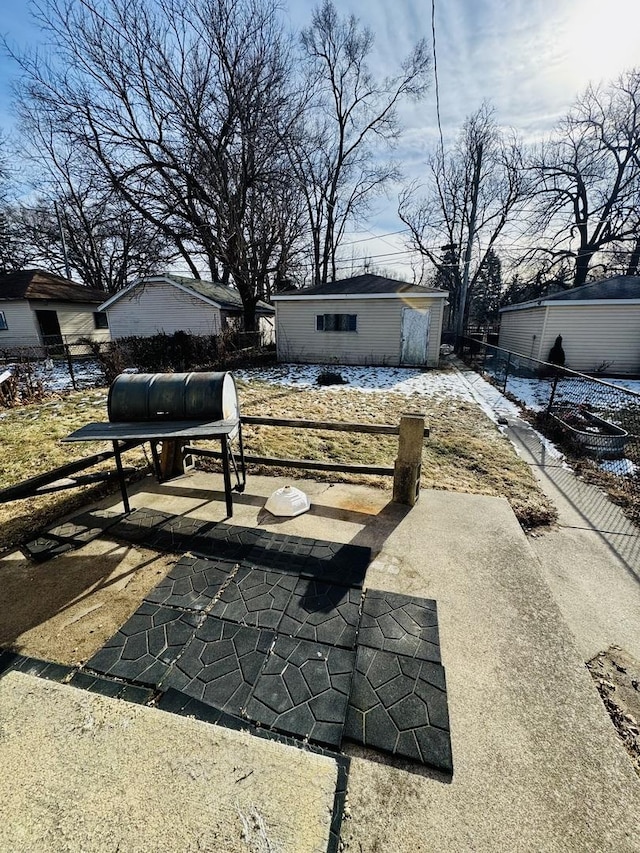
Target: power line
(435,73)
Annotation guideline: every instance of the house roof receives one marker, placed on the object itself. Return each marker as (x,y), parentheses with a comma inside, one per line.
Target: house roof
(362,286)
(40,284)
(212,292)
(618,288)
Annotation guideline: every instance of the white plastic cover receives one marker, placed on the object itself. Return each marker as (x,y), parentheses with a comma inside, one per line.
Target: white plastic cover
(288,501)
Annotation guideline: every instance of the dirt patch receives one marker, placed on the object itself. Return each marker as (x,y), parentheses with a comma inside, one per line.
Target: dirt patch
(64,610)
(617,677)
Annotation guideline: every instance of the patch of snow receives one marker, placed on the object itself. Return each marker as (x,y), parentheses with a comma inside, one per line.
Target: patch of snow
(372,380)
(55,376)
(627,384)
(621,467)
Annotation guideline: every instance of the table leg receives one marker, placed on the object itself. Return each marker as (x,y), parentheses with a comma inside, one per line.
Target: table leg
(227,475)
(123,485)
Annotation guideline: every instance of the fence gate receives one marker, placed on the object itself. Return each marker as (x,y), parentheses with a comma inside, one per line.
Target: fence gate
(415,336)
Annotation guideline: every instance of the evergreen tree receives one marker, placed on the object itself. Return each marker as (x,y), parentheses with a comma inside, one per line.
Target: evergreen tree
(487,292)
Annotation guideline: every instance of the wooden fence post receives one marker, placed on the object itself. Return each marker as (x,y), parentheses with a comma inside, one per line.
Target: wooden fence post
(171,463)
(406,477)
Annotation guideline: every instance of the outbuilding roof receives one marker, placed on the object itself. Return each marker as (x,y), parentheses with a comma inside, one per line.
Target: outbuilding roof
(362,286)
(40,284)
(213,292)
(615,289)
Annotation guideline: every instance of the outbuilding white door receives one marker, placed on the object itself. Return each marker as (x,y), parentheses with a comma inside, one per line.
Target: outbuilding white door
(415,336)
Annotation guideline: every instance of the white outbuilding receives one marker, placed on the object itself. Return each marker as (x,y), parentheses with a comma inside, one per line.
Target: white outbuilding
(368,320)
(599,324)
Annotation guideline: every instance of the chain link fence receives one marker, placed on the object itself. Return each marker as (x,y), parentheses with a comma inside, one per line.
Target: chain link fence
(63,363)
(596,422)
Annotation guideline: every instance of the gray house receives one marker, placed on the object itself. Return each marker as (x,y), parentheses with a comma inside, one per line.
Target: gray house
(599,323)
(368,319)
(171,303)
(38,308)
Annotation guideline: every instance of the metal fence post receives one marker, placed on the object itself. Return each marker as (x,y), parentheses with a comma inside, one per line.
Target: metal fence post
(67,352)
(506,372)
(553,393)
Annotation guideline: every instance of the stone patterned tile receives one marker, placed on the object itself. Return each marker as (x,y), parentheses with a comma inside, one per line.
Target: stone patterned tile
(330,562)
(69,535)
(400,623)
(192,583)
(220,664)
(86,526)
(177,534)
(303,690)
(399,705)
(46,547)
(138,526)
(146,645)
(325,613)
(255,597)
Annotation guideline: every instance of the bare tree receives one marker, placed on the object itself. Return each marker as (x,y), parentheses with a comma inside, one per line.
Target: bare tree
(588,180)
(473,192)
(176,103)
(351,117)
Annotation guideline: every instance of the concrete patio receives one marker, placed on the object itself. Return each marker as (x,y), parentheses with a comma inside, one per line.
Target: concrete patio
(537,763)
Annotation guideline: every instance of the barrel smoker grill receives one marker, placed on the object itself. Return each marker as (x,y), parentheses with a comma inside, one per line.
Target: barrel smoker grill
(172,409)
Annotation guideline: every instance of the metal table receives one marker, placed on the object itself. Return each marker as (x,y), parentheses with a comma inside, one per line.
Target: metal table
(121,433)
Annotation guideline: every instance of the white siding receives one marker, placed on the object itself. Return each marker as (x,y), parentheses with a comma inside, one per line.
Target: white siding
(76,321)
(521,331)
(22,328)
(376,341)
(160,307)
(596,337)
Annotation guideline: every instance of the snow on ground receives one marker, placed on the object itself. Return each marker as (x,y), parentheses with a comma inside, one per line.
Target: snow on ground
(438,384)
(371,380)
(55,376)
(621,467)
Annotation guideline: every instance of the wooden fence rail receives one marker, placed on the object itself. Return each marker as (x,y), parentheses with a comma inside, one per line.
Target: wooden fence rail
(405,472)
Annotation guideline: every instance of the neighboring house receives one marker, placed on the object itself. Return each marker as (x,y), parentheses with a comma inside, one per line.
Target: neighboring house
(171,303)
(599,324)
(38,308)
(367,319)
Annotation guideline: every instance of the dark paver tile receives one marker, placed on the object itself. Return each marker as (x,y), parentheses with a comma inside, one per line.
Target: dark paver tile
(399,705)
(303,690)
(177,534)
(220,664)
(86,526)
(146,645)
(10,660)
(192,583)
(330,562)
(255,597)
(138,526)
(46,547)
(326,613)
(69,535)
(400,623)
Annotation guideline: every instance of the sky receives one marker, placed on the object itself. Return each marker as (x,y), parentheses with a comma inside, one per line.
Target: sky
(528,58)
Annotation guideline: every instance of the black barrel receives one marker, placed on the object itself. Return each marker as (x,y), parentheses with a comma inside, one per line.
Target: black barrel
(173,397)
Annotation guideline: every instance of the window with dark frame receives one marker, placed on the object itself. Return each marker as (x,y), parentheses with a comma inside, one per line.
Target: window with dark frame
(100,320)
(3,322)
(336,322)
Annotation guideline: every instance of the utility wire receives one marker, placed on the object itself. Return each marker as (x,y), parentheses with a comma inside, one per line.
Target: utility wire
(435,73)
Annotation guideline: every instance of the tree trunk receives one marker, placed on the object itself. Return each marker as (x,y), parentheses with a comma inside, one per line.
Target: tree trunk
(583,260)
(634,260)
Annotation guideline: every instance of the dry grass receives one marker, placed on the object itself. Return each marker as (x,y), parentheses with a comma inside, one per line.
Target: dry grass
(31,445)
(465,451)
